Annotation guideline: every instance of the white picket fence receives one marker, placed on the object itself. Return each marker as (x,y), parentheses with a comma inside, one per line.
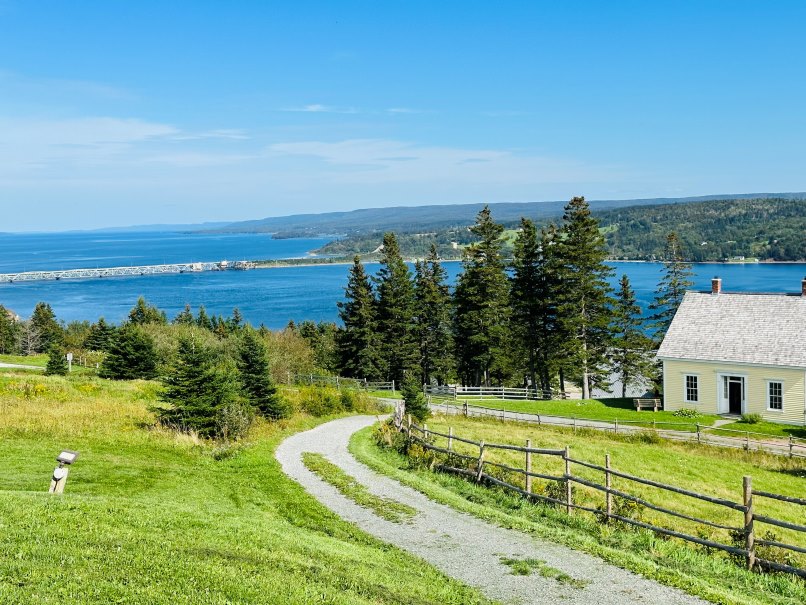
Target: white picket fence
(462,392)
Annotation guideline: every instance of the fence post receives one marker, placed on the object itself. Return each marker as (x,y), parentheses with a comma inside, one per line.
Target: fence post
(464,407)
(749,533)
(575,423)
(338,384)
(528,467)
(698,432)
(393,386)
(425,431)
(608,495)
(538,420)
(568,502)
(615,426)
(790,446)
(747,441)
(450,438)
(480,463)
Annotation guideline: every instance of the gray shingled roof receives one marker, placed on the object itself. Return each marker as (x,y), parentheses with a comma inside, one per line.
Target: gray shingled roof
(767,329)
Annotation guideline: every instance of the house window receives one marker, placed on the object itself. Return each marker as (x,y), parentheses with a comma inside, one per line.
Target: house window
(775,395)
(692,388)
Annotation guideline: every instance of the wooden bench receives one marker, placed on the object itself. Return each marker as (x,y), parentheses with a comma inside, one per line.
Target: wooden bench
(646,404)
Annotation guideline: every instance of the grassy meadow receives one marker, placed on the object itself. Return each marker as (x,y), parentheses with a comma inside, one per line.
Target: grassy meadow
(712,471)
(151,516)
(606,410)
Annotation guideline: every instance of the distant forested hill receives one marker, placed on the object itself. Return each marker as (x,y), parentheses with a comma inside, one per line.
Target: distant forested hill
(414,219)
(763,228)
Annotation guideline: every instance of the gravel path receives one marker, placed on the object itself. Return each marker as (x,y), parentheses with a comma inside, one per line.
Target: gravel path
(460,545)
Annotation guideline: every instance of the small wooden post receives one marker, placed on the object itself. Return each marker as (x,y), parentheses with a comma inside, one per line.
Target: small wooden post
(538,420)
(528,467)
(450,438)
(698,432)
(654,424)
(790,446)
(425,431)
(615,426)
(747,441)
(408,427)
(749,533)
(464,407)
(58,480)
(575,424)
(480,463)
(393,386)
(568,501)
(608,494)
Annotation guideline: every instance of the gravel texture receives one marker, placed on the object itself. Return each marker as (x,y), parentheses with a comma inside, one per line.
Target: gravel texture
(462,546)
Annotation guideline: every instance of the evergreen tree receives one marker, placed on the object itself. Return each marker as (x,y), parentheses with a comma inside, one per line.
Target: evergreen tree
(549,294)
(527,296)
(323,339)
(585,306)
(631,347)
(43,320)
(413,398)
(672,287)
(57,361)
(203,320)
(482,307)
(9,330)
(235,322)
(433,313)
(100,336)
(185,317)
(256,381)
(358,344)
(201,391)
(395,313)
(143,314)
(131,355)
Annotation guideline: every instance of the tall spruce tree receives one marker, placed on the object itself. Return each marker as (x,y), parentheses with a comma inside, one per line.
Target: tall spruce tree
(43,320)
(676,280)
(528,297)
(203,320)
(631,352)
(584,310)
(433,312)
(481,303)
(131,355)
(395,318)
(358,342)
(256,381)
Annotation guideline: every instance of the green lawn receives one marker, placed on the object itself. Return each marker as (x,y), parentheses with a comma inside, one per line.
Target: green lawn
(709,470)
(606,410)
(28,360)
(153,517)
(767,428)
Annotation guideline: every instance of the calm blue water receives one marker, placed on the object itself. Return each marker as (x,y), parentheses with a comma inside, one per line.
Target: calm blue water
(269,296)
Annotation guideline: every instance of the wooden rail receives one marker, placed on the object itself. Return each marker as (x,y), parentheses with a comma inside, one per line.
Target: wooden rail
(477,464)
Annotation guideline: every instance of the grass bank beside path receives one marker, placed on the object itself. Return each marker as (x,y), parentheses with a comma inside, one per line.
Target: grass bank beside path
(767,428)
(705,469)
(606,410)
(385,394)
(153,517)
(26,360)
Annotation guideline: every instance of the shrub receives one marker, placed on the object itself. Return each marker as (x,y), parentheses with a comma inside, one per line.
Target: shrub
(415,403)
(750,418)
(686,413)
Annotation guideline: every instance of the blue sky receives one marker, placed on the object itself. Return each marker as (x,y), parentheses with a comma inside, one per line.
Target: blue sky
(143,112)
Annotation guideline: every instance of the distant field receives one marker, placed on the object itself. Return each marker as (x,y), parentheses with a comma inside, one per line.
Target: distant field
(151,517)
(606,410)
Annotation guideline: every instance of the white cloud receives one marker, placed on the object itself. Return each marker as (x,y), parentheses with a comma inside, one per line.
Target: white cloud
(319,108)
(390,161)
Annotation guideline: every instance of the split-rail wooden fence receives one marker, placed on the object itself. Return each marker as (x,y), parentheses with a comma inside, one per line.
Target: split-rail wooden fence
(751,518)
